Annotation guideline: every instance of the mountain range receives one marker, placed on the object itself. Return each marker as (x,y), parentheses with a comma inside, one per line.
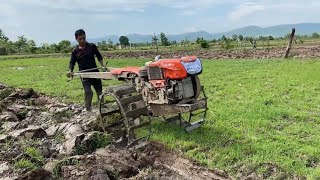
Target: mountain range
(253,31)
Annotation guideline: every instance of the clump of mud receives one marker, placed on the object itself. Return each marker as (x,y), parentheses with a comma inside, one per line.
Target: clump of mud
(42,138)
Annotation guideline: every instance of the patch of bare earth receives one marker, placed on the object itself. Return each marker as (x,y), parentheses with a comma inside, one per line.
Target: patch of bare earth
(42,138)
(267,53)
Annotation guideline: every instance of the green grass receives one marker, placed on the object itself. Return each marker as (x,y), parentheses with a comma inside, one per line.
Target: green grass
(33,160)
(48,75)
(25,164)
(97,140)
(260,111)
(34,153)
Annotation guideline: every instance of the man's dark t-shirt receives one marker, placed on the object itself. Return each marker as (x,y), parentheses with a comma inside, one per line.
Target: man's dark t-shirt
(85,57)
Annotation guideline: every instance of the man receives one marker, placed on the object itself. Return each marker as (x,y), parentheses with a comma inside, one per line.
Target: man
(84,54)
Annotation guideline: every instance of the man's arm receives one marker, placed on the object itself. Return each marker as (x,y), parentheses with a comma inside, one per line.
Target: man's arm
(72,62)
(99,56)
(71,65)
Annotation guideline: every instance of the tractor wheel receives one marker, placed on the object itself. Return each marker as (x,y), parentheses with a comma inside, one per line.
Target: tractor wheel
(196,86)
(122,110)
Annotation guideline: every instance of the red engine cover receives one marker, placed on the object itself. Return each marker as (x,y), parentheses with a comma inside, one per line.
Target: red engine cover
(173,69)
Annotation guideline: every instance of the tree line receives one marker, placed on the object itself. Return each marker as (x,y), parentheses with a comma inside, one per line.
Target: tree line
(225,42)
(25,45)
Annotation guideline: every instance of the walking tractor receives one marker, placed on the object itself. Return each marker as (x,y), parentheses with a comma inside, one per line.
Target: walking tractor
(165,88)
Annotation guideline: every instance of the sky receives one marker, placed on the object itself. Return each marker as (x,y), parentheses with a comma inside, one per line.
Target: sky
(56,20)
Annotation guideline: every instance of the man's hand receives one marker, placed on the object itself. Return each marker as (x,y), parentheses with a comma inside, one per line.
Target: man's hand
(104,69)
(70,74)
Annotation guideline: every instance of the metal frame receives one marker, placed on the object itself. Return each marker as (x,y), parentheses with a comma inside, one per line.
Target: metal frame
(127,127)
(187,124)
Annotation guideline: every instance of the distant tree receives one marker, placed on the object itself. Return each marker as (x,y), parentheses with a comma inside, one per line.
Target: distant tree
(235,37)
(64,46)
(55,47)
(109,45)
(315,35)
(3,43)
(164,39)
(1,33)
(44,48)
(154,40)
(213,41)
(182,42)
(287,36)
(250,39)
(223,38)
(174,42)
(3,51)
(110,42)
(11,47)
(3,37)
(103,45)
(204,44)
(226,43)
(124,40)
(270,38)
(21,44)
(186,41)
(240,37)
(31,46)
(199,40)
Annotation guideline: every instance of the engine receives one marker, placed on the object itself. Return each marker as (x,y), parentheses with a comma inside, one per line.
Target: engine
(180,90)
(172,91)
(168,81)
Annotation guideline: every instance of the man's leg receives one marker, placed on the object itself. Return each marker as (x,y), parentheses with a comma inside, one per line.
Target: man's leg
(88,94)
(97,84)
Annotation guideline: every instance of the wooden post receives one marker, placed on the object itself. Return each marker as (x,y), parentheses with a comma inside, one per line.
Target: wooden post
(290,43)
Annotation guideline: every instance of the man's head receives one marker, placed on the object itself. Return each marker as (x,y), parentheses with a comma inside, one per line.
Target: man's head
(80,36)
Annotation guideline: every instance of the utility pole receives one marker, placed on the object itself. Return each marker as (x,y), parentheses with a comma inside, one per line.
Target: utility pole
(290,43)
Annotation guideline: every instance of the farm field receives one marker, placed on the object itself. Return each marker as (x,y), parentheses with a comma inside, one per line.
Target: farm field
(263,114)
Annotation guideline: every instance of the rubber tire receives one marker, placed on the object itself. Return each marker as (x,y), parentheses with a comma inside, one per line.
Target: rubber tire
(196,86)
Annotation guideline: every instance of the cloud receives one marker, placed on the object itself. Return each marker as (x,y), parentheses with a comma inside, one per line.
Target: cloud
(78,6)
(269,12)
(115,6)
(53,20)
(191,29)
(6,10)
(246,9)
(188,13)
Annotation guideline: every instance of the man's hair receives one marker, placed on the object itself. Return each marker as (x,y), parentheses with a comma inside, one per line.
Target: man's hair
(79,32)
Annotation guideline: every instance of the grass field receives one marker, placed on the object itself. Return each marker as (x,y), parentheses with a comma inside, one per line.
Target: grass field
(262,113)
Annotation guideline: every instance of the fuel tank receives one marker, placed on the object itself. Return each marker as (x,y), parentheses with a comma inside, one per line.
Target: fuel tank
(172,68)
